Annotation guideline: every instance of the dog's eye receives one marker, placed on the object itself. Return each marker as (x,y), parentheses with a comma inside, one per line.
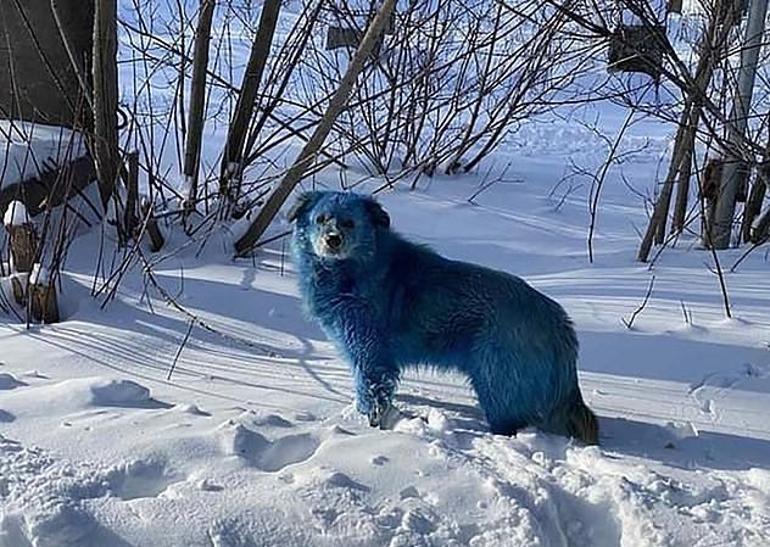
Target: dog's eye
(349,224)
(320,219)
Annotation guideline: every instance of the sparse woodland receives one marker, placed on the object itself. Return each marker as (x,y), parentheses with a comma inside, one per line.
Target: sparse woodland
(399,91)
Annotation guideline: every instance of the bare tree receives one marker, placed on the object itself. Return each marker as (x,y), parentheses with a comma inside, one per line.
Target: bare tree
(232,162)
(308,154)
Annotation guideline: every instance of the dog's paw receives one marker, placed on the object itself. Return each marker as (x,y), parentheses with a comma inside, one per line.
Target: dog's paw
(385,416)
(377,412)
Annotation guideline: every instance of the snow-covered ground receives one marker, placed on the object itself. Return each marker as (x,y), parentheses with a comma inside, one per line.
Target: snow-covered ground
(254,440)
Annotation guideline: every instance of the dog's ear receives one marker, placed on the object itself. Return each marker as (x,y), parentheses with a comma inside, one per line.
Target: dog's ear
(377,214)
(304,202)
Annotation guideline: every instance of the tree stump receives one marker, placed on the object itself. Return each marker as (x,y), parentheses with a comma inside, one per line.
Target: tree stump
(23,241)
(19,285)
(43,304)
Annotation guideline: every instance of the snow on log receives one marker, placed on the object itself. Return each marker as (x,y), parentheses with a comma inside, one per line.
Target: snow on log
(22,236)
(16,214)
(42,296)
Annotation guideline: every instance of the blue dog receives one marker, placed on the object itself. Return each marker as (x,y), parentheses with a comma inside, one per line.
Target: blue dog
(388,304)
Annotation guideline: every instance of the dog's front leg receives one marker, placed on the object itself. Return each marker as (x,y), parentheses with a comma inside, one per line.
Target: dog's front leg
(375,372)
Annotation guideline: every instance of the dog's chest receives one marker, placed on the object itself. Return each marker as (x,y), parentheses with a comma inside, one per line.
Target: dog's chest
(328,283)
(331,292)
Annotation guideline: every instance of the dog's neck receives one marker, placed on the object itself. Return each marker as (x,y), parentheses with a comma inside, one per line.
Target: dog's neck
(345,276)
(323,279)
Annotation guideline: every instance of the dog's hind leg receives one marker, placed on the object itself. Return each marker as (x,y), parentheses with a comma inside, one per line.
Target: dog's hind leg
(572,418)
(501,419)
(496,389)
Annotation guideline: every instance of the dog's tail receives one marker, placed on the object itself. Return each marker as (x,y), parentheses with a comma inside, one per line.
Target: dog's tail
(582,423)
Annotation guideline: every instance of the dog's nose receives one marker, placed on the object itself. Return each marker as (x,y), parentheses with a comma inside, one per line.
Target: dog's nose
(333,241)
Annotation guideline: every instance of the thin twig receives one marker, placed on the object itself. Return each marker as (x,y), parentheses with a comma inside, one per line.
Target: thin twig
(630,323)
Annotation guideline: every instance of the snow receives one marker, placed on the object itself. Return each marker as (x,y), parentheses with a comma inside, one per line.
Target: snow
(15,214)
(254,439)
(27,147)
(39,275)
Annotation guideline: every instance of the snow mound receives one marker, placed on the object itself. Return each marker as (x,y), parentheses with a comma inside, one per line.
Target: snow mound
(78,394)
(26,147)
(141,479)
(42,498)
(47,501)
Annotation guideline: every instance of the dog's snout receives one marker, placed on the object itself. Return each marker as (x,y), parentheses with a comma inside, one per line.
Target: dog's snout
(334,241)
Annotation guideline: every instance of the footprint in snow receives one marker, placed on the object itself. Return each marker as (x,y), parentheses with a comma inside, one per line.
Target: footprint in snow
(270,456)
(9,381)
(141,479)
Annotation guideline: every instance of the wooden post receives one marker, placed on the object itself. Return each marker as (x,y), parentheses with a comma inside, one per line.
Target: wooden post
(22,237)
(42,302)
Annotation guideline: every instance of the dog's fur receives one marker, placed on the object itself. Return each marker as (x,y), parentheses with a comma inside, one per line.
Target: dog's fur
(388,304)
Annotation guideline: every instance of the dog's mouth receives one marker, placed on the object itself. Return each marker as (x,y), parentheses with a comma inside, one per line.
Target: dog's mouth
(331,245)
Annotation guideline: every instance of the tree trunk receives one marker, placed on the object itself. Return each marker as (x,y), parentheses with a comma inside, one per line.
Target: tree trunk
(229,182)
(105,75)
(658,219)
(308,155)
(192,153)
(731,172)
(685,171)
(131,220)
(713,42)
(759,190)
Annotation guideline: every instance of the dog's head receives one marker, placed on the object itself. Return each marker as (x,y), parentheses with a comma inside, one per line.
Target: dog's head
(338,225)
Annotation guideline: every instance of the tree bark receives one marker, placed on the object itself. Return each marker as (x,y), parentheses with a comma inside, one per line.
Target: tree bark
(685,172)
(731,171)
(192,153)
(229,185)
(308,154)
(105,76)
(131,219)
(759,190)
(658,218)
